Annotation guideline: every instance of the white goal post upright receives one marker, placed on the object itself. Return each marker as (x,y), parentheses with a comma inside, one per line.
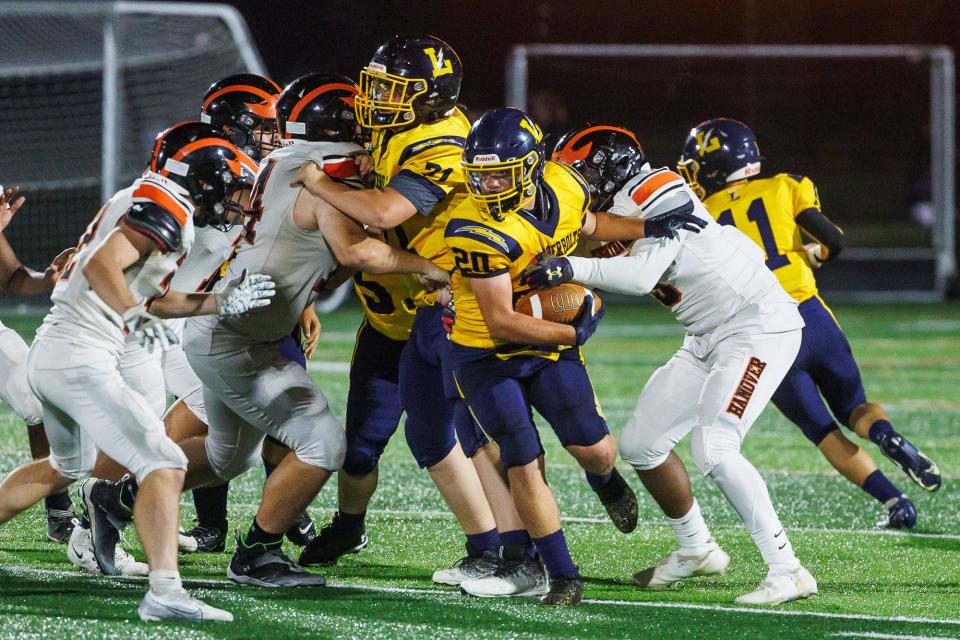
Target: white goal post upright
(84,89)
(942,114)
(111,64)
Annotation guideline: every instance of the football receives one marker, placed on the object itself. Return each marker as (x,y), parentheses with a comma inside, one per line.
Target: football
(559,304)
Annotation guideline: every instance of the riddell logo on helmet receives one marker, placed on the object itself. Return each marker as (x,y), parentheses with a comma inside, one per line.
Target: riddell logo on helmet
(376,66)
(486,158)
(751,170)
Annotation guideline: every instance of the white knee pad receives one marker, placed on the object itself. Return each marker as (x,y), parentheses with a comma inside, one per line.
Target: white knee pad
(642,447)
(228,462)
(14,387)
(77,466)
(325,444)
(712,444)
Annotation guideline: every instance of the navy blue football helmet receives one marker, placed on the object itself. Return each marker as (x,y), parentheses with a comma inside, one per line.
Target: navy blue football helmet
(411,80)
(607,156)
(716,152)
(318,107)
(503,161)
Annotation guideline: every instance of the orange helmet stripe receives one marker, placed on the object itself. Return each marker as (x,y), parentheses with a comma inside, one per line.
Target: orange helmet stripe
(269,97)
(314,93)
(568,155)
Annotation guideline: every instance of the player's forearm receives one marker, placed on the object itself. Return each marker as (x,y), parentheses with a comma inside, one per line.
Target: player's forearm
(611,227)
(377,257)
(176,304)
(624,274)
(367,206)
(27,282)
(821,229)
(523,329)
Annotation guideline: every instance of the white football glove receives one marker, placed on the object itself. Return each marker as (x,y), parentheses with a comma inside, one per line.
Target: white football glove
(245,293)
(816,254)
(151,330)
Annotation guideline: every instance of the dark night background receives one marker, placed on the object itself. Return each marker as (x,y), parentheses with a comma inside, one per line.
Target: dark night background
(859,129)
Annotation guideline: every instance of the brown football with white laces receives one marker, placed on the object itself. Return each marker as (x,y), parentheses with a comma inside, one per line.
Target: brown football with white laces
(559,304)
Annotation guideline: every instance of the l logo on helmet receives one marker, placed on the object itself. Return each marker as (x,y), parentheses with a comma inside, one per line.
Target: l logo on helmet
(532,127)
(707,143)
(441,67)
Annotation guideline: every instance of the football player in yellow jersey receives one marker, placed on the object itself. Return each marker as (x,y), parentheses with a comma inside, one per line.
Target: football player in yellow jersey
(721,161)
(504,362)
(407,101)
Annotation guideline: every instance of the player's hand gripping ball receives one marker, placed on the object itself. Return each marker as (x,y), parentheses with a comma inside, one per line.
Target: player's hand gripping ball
(559,304)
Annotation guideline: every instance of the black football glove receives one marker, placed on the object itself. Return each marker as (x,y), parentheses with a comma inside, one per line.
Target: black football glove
(586,322)
(547,271)
(667,224)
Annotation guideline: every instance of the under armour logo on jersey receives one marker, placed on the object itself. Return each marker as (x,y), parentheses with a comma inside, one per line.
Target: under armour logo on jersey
(707,142)
(441,67)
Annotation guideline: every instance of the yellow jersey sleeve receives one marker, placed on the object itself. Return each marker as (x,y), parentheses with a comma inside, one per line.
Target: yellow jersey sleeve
(805,194)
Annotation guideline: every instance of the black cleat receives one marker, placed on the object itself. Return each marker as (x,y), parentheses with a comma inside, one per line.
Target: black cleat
(564,592)
(620,502)
(901,514)
(60,525)
(99,498)
(303,531)
(208,539)
(914,463)
(272,568)
(334,540)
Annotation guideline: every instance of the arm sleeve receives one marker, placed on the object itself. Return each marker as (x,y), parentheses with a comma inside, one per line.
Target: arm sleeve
(429,170)
(156,223)
(636,274)
(817,226)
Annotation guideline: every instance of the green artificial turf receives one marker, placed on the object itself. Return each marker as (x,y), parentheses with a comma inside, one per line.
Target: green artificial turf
(872,583)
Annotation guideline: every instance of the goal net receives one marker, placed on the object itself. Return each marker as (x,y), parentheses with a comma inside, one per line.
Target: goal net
(85,88)
(871,126)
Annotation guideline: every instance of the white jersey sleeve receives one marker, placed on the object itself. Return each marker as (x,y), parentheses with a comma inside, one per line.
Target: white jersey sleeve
(636,274)
(78,314)
(713,281)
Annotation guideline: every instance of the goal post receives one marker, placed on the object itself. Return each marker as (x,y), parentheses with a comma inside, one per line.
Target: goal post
(84,89)
(885,267)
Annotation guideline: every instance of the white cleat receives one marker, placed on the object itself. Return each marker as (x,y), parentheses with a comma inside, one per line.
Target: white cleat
(80,553)
(526,578)
(179,606)
(676,567)
(781,586)
(186,542)
(467,568)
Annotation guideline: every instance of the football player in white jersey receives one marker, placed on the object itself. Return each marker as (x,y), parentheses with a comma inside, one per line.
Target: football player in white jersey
(743,333)
(243,106)
(250,388)
(18,280)
(118,283)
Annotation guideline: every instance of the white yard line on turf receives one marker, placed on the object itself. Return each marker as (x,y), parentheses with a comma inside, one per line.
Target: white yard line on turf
(622,603)
(885,636)
(428,513)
